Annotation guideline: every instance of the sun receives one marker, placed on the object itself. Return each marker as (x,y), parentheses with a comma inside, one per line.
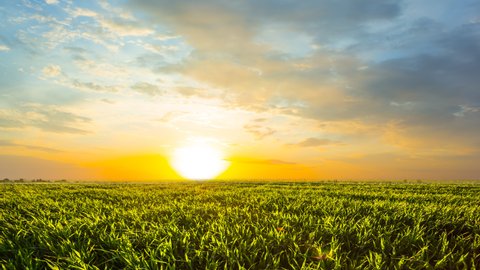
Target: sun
(198,162)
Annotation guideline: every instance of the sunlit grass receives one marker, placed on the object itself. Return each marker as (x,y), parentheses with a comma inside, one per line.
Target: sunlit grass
(240,225)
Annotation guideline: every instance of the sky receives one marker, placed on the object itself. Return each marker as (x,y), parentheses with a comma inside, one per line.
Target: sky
(332,89)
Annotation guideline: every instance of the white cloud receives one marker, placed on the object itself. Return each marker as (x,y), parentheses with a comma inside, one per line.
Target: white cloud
(167,37)
(160,48)
(82,12)
(464,109)
(51,2)
(125,28)
(120,24)
(52,70)
(4,48)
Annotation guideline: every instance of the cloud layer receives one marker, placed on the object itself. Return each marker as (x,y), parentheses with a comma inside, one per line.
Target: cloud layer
(322,84)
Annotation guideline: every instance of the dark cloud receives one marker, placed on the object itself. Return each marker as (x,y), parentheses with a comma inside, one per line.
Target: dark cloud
(230,21)
(375,63)
(431,96)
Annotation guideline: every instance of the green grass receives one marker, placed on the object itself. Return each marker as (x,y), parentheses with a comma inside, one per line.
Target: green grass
(240,226)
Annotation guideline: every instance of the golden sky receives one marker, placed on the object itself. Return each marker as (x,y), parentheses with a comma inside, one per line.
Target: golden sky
(115,89)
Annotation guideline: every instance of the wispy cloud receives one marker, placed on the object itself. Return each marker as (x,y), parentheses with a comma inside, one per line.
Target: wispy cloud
(4,48)
(314,142)
(147,88)
(259,131)
(52,71)
(8,143)
(51,2)
(43,117)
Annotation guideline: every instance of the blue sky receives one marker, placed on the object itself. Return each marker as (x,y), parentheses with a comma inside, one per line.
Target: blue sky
(347,89)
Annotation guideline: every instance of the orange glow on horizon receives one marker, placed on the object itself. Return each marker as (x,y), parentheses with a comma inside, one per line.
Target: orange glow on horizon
(135,168)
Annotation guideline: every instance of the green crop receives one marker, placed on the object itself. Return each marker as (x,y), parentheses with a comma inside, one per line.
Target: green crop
(212,225)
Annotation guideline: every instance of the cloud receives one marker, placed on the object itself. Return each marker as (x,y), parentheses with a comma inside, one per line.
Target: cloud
(313,142)
(147,88)
(4,48)
(52,70)
(260,120)
(83,12)
(7,121)
(246,70)
(170,116)
(420,75)
(57,121)
(242,20)
(191,91)
(8,143)
(89,86)
(465,109)
(389,75)
(55,75)
(75,49)
(404,60)
(236,24)
(259,131)
(429,96)
(51,2)
(123,27)
(117,22)
(100,68)
(108,101)
(161,49)
(44,117)
(107,28)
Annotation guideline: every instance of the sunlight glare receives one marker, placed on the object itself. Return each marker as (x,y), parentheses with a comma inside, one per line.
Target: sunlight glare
(198,162)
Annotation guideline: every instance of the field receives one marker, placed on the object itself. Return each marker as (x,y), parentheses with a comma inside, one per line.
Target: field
(213,225)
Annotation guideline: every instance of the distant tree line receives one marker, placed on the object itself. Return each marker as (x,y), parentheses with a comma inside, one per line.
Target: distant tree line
(39,180)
